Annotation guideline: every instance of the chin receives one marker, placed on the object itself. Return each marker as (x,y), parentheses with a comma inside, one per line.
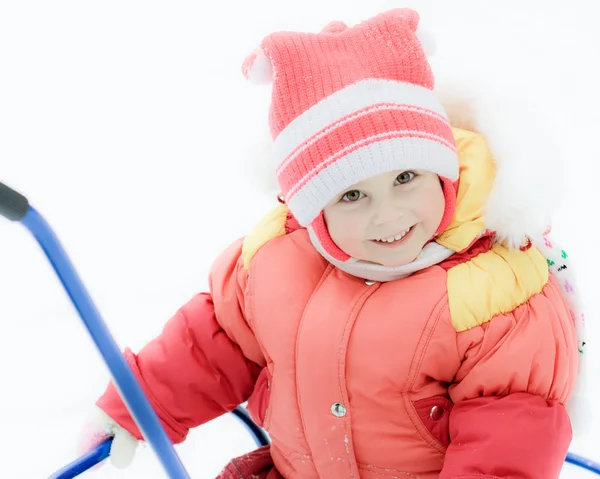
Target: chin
(396,262)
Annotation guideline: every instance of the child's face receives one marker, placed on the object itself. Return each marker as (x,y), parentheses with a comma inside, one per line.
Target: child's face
(407,205)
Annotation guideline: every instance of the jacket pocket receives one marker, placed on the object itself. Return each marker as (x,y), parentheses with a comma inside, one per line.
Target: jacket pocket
(258,403)
(434,413)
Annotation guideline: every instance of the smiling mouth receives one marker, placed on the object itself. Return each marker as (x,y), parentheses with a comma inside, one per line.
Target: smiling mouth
(394,238)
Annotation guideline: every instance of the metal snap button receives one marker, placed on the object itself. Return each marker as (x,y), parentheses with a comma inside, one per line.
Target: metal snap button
(436,413)
(338,409)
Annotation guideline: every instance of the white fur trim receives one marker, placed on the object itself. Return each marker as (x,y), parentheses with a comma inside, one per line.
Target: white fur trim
(511,92)
(527,188)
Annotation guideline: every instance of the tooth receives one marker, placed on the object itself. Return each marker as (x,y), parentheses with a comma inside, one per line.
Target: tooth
(391,239)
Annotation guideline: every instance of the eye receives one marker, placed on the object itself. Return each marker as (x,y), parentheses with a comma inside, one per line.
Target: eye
(405,177)
(352,196)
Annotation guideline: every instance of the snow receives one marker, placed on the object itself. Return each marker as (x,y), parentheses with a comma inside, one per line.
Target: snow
(130,128)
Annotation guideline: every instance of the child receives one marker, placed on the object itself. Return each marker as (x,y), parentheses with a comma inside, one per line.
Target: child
(375,323)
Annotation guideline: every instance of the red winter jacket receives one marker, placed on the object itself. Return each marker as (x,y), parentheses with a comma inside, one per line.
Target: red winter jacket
(460,370)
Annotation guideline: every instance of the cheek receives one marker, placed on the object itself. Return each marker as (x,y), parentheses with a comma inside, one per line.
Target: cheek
(345,230)
(431,207)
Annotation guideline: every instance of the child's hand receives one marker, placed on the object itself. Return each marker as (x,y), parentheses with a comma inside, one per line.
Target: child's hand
(97,429)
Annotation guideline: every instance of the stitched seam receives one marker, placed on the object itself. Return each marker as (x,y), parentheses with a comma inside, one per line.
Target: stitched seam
(326,273)
(413,377)
(250,308)
(341,363)
(412,414)
(250,312)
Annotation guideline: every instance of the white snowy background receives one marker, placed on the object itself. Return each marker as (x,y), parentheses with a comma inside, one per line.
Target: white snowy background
(131,129)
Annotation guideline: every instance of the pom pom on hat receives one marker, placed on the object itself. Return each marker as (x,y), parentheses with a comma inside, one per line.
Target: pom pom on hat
(335,27)
(257,68)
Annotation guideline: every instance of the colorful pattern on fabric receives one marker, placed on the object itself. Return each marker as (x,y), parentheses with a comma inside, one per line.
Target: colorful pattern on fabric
(561,269)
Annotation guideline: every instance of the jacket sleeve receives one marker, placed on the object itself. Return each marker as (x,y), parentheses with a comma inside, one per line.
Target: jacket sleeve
(509,417)
(194,371)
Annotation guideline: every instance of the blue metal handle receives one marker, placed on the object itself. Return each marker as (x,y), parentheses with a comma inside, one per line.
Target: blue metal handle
(583,463)
(123,377)
(85,462)
(102,451)
(258,433)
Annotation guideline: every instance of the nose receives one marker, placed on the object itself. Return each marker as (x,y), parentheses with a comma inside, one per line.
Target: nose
(386,212)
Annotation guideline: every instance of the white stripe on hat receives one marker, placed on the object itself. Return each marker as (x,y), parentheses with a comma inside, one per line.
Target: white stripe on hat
(381,137)
(373,159)
(352,117)
(346,101)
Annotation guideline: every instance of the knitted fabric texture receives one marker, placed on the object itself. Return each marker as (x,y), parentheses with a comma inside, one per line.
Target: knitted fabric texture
(349,104)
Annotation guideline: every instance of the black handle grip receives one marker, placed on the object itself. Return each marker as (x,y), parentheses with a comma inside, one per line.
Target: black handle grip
(13,205)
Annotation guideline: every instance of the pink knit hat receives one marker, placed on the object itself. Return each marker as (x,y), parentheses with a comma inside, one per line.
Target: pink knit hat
(349,104)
